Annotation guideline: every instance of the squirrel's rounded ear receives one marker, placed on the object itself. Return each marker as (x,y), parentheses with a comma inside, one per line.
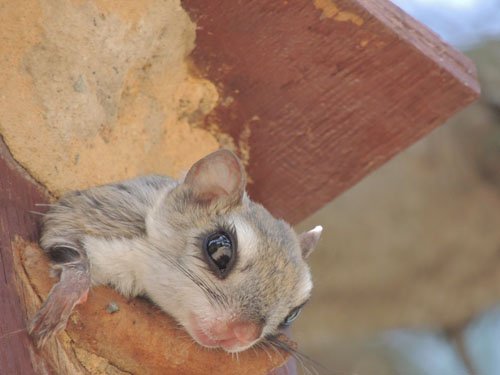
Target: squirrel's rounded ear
(217,178)
(308,240)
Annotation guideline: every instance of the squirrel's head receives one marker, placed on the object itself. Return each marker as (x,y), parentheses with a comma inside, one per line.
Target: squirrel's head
(237,274)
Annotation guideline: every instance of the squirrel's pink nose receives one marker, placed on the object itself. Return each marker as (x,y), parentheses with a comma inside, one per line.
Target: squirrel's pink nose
(237,332)
(232,336)
(246,332)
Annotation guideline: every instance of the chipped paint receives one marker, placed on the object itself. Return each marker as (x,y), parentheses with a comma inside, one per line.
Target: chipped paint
(241,146)
(331,10)
(244,143)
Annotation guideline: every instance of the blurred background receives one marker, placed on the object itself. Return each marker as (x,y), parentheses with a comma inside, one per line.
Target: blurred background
(407,276)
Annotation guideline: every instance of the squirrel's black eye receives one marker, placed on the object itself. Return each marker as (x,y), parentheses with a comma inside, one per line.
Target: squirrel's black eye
(291,317)
(220,252)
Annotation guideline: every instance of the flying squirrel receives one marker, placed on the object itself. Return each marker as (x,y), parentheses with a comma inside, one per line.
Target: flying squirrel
(220,264)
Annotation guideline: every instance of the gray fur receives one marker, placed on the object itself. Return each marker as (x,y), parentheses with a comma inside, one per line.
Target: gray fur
(111,211)
(145,236)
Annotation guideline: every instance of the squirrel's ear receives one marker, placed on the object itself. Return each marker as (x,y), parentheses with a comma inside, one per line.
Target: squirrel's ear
(308,240)
(217,178)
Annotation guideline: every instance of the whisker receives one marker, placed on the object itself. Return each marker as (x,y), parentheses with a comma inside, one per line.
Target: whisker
(277,351)
(223,298)
(198,257)
(4,336)
(213,296)
(201,283)
(37,213)
(263,347)
(222,295)
(213,289)
(303,359)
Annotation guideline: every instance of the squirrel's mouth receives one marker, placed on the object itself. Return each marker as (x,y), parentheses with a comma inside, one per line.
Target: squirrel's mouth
(232,336)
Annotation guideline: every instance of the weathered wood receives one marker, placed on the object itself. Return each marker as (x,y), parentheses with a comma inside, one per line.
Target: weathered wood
(17,197)
(318,93)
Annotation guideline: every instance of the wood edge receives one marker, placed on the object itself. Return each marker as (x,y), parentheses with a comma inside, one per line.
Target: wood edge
(13,164)
(420,37)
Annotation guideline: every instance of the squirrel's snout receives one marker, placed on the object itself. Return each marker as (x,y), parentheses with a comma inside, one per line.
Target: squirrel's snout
(232,336)
(246,332)
(236,335)
(241,331)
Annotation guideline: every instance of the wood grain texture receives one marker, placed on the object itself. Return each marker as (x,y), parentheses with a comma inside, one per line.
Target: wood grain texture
(317,93)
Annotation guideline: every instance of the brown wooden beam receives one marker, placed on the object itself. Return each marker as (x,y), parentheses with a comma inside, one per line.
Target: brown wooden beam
(17,197)
(318,93)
